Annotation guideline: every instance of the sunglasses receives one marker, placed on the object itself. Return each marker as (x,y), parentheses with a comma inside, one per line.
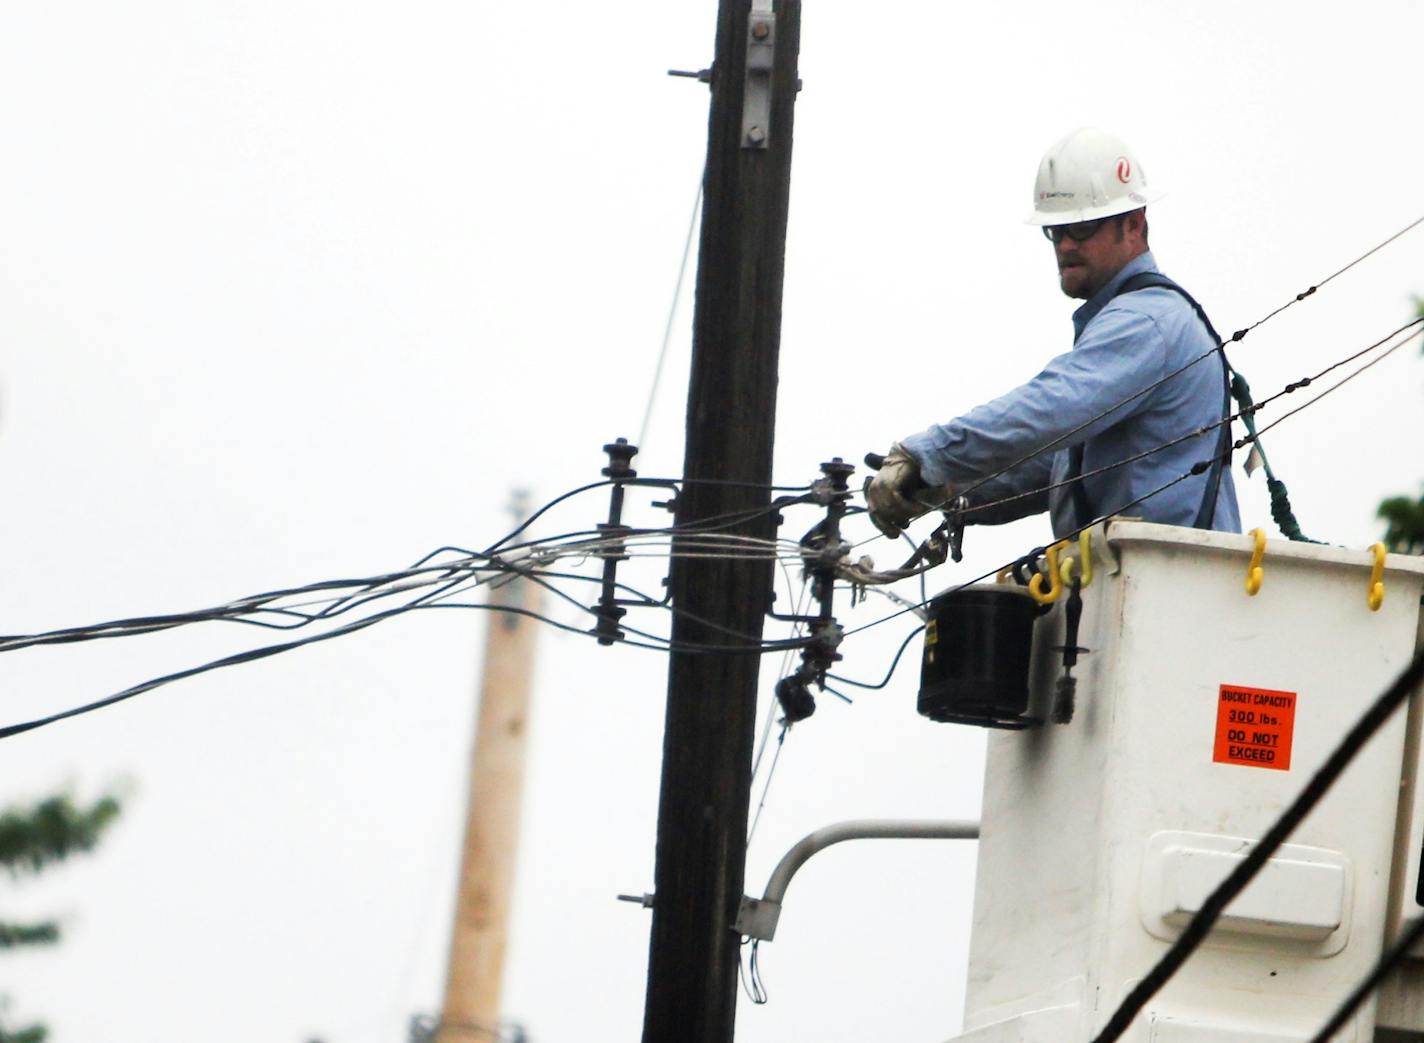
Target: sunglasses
(1079,233)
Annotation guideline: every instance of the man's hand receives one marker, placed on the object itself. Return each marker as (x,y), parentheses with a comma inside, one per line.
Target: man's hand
(891,494)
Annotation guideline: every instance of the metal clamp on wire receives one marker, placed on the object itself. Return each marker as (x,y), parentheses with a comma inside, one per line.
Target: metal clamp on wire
(954,523)
(823,552)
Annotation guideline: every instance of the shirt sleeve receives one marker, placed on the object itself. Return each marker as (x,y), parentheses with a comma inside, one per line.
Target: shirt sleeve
(1120,354)
(1015,494)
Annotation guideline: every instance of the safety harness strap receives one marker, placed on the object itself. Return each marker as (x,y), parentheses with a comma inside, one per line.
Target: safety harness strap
(1081,505)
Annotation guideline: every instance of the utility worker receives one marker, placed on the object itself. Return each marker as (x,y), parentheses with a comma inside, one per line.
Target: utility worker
(1070,441)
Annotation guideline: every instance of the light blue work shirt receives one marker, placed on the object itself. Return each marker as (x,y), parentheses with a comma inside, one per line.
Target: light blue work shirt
(1121,346)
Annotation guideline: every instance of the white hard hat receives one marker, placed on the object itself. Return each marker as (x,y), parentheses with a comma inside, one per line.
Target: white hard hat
(1087,175)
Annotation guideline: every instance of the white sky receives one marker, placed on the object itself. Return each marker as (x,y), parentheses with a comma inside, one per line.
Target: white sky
(302,290)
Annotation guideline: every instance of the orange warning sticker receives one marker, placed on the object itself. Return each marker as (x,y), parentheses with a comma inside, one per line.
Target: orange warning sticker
(1254,727)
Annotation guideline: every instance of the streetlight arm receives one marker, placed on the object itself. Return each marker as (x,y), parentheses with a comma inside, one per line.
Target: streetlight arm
(757,917)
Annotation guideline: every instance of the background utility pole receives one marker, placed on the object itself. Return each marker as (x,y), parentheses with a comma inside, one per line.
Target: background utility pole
(731,412)
(473,978)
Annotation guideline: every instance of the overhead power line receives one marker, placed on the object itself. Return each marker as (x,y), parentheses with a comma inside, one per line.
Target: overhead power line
(1234,338)
(1201,467)
(440,582)
(1205,429)
(432,583)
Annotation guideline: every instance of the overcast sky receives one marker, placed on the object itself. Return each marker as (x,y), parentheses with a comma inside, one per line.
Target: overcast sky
(292,291)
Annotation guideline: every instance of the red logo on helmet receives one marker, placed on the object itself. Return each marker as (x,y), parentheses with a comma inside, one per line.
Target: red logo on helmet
(1124,169)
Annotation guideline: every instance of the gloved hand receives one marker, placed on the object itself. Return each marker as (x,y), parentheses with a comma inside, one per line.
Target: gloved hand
(892,494)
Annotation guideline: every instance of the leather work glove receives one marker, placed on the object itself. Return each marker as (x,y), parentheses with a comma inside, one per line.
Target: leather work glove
(896,495)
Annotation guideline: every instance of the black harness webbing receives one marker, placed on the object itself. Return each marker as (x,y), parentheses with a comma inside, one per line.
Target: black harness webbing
(1082,508)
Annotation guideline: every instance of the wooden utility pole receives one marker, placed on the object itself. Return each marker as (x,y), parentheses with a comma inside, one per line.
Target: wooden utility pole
(477,940)
(731,412)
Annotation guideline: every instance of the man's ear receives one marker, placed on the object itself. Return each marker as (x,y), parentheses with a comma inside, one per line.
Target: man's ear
(1137,224)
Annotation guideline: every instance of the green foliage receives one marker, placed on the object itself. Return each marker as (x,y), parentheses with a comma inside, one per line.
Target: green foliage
(30,839)
(1404,520)
(13,935)
(29,1034)
(1403,516)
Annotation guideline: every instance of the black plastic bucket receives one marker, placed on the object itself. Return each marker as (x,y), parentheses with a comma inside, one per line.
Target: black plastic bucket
(978,643)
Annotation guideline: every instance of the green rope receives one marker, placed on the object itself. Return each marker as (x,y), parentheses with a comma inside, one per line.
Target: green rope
(1281,510)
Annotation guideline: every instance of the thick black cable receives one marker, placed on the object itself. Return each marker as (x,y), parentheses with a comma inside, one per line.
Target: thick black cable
(1200,925)
(1386,963)
(893,664)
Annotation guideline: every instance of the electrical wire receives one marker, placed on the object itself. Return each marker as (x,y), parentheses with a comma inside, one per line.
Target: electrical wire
(645,482)
(1216,425)
(1235,337)
(1340,383)
(1319,785)
(456,577)
(893,664)
(751,981)
(770,774)
(672,314)
(782,671)
(1199,468)
(1396,952)
(441,597)
(753,643)
(268,610)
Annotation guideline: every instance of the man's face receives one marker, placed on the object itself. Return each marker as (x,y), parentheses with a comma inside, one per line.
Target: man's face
(1086,265)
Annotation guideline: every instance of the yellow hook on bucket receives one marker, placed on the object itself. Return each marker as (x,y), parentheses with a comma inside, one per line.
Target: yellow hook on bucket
(1055,580)
(1376,597)
(1254,572)
(1085,570)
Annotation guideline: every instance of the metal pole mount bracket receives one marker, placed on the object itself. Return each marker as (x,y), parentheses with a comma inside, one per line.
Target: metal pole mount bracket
(761,59)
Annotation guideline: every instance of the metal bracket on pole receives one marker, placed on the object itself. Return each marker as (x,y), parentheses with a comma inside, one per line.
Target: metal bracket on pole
(761,59)
(757,917)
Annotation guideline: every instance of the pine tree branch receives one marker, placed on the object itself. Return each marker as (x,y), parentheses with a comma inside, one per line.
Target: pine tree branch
(12,935)
(31,838)
(29,1034)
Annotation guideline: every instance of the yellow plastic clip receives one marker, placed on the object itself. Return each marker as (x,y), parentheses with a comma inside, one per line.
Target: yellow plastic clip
(1085,571)
(1055,580)
(1376,597)
(1254,573)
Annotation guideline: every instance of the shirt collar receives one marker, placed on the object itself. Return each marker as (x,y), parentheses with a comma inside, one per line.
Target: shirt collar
(1143,262)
